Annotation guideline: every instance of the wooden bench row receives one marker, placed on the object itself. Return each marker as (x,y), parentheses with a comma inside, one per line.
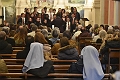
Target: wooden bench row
(58,75)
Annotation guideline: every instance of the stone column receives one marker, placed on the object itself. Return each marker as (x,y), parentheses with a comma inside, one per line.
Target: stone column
(116,13)
(96,12)
(21,5)
(88,11)
(59,4)
(101,11)
(1,12)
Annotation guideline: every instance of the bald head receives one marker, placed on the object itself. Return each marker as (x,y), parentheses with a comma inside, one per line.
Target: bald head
(2,35)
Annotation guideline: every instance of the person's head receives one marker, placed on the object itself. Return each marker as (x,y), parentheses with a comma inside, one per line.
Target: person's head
(12,33)
(83,29)
(22,31)
(110,31)
(50,10)
(96,26)
(2,35)
(79,27)
(55,33)
(59,10)
(29,40)
(67,34)
(54,16)
(63,10)
(91,64)
(101,27)
(54,11)
(42,11)
(35,9)
(39,37)
(45,9)
(72,9)
(31,15)
(45,21)
(6,31)
(34,27)
(44,32)
(102,34)
(30,19)
(72,15)
(38,19)
(22,15)
(67,19)
(64,41)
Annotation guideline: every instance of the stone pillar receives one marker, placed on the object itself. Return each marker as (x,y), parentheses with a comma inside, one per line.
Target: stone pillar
(116,13)
(21,5)
(101,11)
(59,4)
(1,11)
(88,11)
(96,12)
(111,12)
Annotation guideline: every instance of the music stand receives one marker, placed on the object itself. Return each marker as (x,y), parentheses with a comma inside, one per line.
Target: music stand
(84,19)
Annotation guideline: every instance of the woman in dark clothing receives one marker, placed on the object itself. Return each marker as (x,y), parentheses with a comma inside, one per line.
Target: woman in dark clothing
(111,41)
(67,51)
(4,46)
(23,54)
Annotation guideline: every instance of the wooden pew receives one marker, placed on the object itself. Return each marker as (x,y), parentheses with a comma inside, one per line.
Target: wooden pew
(18,48)
(15,51)
(59,75)
(57,68)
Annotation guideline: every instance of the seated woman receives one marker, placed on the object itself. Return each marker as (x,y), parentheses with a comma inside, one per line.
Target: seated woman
(35,63)
(23,54)
(67,51)
(39,37)
(92,69)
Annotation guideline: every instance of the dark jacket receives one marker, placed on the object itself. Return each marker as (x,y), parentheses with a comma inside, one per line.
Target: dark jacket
(23,54)
(11,41)
(58,22)
(105,50)
(5,48)
(68,53)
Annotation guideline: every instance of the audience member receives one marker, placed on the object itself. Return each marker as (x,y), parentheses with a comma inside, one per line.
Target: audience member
(67,51)
(54,38)
(35,63)
(5,48)
(8,39)
(91,64)
(34,28)
(23,54)
(20,36)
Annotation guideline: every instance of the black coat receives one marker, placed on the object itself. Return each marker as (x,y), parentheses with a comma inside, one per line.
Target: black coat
(105,50)
(23,54)
(68,53)
(11,41)
(58,22)
(5,48)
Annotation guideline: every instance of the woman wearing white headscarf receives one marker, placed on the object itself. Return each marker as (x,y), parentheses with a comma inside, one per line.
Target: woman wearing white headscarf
(35,62)
(92,67)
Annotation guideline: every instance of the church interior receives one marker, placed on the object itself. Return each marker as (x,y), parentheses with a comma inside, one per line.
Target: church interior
(60,39)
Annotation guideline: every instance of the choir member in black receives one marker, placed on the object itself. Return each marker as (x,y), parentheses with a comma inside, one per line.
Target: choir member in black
(27,14)
(33,17)
(77,15)
(43,15)
(59,13)
(72,20)
(37,22)
(22,19)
